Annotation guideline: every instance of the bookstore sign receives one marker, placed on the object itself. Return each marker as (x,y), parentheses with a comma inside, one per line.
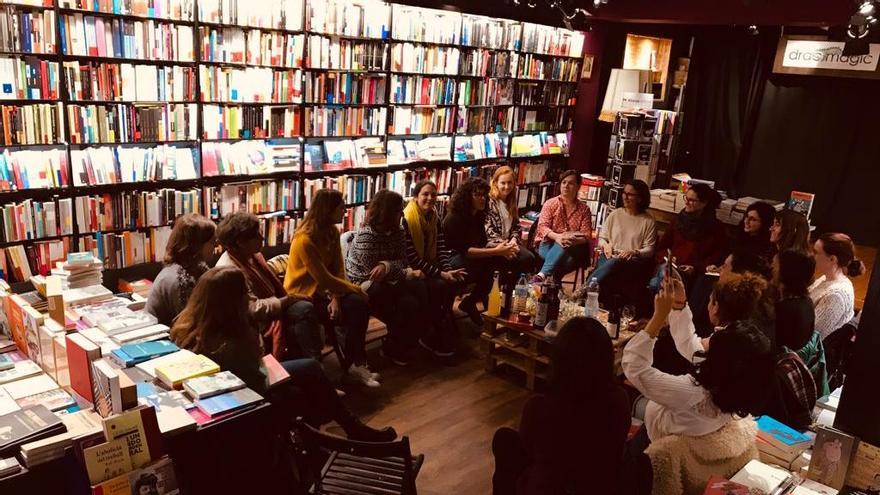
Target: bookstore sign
(813,55)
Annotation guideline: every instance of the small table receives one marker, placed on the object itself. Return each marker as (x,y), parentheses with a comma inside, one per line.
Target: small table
(526,348)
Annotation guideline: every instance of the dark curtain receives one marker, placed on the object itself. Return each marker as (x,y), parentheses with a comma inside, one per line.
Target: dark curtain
(726,80)
(821,135)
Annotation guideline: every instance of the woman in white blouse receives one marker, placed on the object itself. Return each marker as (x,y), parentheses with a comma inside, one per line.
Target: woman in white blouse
(832,293)
(732,377)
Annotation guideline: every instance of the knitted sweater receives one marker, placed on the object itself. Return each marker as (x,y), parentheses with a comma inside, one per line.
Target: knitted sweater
(171,290)
(834,301)
(369,248)
(316,267)
(416,262)
(682,465)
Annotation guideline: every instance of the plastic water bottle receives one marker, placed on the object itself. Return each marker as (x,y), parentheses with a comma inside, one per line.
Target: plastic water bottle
(591,308)
(520,294)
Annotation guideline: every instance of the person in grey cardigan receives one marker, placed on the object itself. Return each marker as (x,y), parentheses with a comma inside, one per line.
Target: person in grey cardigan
(376,260)
(189,248)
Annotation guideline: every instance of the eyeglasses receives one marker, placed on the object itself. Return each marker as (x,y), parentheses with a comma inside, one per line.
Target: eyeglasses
(478,194)
(629,194)
(691,200)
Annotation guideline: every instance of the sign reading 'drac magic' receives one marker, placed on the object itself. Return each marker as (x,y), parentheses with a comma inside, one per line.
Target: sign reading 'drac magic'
(817,56)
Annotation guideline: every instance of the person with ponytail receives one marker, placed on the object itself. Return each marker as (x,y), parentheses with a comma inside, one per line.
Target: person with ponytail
(832,293)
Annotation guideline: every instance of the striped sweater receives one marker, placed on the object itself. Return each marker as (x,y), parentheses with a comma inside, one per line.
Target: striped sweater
(416,262)
(369,248)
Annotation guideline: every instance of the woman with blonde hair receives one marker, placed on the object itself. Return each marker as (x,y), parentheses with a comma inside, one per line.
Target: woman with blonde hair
(502,217)
(316,271)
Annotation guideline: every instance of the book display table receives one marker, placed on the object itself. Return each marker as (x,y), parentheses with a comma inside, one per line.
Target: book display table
(526,348)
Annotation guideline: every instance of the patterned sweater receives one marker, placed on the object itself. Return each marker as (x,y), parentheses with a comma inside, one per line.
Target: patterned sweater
(495,231)
(171,290)
(369,248)
(416,262)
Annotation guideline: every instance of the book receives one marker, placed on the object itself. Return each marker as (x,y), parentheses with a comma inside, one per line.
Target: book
(207,386)
(140,430)
(156,478)
(129,355)
(27,425)
(787,440)
(80,354)
(173,374)
(228,402)
(55,400)
(9,466)
(864,470)
(22,369)
(720,486)
(6,362)
(30,386)
(149,367)
(831,457)
(762,477)
(107,460)
(801,202)
(275,373)
(7,403)
(127,322)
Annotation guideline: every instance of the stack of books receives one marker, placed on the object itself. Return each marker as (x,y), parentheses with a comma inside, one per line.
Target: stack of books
(780,444)
(80,270)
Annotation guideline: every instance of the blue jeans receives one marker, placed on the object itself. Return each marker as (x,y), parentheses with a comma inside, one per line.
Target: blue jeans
(558,261)
(604,267)
(301,324)
(305,318)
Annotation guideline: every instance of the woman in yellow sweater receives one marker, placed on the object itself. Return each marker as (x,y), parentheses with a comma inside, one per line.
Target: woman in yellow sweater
(316,273)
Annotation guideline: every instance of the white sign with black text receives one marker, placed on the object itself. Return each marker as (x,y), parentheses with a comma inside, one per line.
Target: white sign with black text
(814,54)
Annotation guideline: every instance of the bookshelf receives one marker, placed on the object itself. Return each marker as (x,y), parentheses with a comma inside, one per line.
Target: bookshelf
(116,117)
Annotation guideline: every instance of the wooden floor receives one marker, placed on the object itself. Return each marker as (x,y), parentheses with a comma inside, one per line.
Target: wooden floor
(449,412)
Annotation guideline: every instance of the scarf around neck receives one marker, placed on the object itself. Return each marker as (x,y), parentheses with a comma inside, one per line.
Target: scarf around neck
(422,229)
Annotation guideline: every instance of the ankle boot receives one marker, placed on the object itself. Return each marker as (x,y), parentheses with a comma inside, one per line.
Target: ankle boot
(364,433)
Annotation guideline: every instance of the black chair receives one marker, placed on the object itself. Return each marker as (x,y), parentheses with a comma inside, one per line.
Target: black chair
(339,466)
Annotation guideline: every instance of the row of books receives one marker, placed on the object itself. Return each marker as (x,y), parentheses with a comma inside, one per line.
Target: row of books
(422,90)
(123,123)
(425,25)
(255,197)
(31,219)
(159,9)
(480,146)
(245,158)
(488,63)
(475,120)
(89,36)
(344,153)
(422,59)
(324,121)
(530,93)
(23,31)
(126,164)
(542,118)
(345,88)
(490,32)
(533,67)
(278,228)
(105,81)
(552,41)
(414,150)
(28,78)
(18,263)
(33,169)
(361,18)
(133,209)
(354,188)
(485,92)
(31,124)
(254,47)
(232,122)
(542,143)
(419,120)
(262,13)
(330,53)
(250,85)
(403,181)
(126,249)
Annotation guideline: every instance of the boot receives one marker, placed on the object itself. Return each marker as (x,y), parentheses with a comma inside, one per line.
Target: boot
(356,430)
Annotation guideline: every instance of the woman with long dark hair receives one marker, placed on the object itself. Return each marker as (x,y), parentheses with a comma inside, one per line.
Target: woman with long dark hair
(376,260)
(790,230)
(572,439)
(753,235)
(187,253)
(316,271)
(216,323)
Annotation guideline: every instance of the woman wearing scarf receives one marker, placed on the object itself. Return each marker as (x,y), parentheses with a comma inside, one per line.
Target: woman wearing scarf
(271,309)
(696,237)
(426,251)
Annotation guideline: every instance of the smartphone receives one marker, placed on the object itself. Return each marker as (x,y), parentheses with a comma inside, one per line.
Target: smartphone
(669,267)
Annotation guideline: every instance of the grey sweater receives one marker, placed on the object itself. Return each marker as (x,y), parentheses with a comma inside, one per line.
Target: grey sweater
(369,248)
(171,290)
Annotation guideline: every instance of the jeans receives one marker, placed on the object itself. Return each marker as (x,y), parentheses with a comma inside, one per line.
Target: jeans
(558,261)
(441,332)
(310,394)
(399,306)
(481,270)
(301,325)
(604,267)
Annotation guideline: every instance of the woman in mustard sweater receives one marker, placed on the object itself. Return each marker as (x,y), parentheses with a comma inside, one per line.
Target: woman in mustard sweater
(316,273)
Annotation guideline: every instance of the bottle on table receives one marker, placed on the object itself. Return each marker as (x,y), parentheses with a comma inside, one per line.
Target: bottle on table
(554,304)
(520,295)
(506,296)
(542,308)
(591,307)
(494,308)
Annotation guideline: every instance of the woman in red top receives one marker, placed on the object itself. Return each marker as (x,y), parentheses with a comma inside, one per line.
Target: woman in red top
(564,230)
(696,237)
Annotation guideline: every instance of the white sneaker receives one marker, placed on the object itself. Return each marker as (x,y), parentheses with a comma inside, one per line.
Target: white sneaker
(340,392)
(363,375)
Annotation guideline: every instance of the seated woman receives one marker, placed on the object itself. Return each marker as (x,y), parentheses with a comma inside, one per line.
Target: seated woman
(790,230)
(272,310)
(832,293)
(629,233)
(795,316)
(502,217)
(216,323)
(730,379)
(565,228)
(376,260)
(187,253)
(316,271)
(753,235)
(696,237)
(426,252)
(464,228)
(570,440)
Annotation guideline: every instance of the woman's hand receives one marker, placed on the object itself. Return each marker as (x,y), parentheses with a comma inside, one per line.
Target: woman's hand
(628,255)
(664,300)
(608,251)
(379,272)
(414,275)
(453,276)
(506,250)
(679,294)
(334,308)
(686,269)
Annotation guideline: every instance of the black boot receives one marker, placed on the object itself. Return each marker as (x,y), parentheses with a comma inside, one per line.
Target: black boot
(358,431)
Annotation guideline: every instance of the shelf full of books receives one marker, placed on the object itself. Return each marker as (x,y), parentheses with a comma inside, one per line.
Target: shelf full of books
(130,109)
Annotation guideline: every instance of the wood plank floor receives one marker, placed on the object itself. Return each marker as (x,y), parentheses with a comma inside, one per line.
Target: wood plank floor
(449,412)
